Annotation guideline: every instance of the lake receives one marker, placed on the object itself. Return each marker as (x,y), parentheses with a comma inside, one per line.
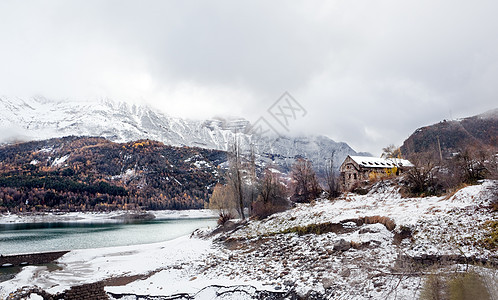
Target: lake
(57,236)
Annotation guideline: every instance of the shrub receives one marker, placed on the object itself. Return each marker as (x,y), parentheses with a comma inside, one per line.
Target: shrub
(422,179)
(224,217)
(262,210)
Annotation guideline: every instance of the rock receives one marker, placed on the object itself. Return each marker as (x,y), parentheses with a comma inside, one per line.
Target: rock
(345,273)
(342,245)
(288,283)
(377,284)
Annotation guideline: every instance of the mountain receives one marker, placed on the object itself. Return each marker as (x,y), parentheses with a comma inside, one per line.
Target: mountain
(480,130)
(40,118)
(92,173)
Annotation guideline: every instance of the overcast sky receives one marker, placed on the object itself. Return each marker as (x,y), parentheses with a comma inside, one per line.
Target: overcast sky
(367,72)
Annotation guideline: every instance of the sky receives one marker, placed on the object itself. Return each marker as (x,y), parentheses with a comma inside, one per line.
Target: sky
(365,72)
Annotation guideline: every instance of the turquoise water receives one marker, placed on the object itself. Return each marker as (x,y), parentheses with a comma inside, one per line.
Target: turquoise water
(42,237)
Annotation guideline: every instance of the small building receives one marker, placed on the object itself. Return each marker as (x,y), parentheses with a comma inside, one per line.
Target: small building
(356,169)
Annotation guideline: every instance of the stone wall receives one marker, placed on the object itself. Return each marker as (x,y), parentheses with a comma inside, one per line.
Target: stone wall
(429,260)
(31,259)
(94,291)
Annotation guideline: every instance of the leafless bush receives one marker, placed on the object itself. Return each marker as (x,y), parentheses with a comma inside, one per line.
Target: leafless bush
(224,216)
(474,163)
(421,179)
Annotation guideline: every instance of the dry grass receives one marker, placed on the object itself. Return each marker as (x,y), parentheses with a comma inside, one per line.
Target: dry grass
(454,286)
(326,227)
(491,239)
(388,222)
(453,191)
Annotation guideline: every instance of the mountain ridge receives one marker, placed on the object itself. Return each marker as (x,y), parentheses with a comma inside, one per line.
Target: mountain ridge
(41,118)
(454,135)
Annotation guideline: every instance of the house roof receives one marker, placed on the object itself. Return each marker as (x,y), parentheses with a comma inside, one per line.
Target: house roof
(377,162)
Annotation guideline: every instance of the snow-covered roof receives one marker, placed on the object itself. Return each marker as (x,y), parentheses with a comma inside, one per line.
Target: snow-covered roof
(377,162)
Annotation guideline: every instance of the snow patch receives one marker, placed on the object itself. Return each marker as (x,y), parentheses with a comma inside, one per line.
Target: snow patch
(59,161)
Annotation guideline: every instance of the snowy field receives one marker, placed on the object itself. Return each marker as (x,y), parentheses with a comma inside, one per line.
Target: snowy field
(260,256)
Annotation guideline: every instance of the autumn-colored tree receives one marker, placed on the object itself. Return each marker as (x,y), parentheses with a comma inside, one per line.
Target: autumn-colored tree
(223,200)
(391,151)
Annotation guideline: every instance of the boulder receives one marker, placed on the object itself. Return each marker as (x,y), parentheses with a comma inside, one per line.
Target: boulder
(342,245)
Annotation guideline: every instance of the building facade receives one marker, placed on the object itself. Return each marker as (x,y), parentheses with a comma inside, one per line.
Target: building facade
(356,169)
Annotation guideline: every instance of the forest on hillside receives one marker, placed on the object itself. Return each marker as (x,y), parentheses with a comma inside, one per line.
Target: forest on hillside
(94,174)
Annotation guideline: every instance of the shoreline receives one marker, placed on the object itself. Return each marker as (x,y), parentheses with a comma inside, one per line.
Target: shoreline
(117,216)
(99,264)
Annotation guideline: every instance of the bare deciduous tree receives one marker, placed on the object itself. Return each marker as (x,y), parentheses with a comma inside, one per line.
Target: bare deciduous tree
(235,175)
(421,178)
(305,183)
(331,178)
(272,196)
(473,163)
(251,179)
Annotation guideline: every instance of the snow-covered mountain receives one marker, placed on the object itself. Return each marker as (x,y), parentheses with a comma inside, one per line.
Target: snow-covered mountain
(40,118)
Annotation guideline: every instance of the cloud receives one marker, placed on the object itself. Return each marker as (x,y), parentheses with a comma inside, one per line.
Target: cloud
(369,73)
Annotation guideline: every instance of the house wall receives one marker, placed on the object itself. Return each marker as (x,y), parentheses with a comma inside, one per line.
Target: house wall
(350,174)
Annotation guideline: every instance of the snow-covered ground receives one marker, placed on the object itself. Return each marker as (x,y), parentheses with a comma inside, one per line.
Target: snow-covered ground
(102,217)
(260,256)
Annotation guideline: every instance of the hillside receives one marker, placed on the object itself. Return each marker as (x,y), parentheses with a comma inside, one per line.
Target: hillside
(86,173)
(40,118)
(374,246)
(480,130)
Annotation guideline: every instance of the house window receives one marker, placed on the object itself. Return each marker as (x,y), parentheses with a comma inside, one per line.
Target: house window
(354,175)
(349,176)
